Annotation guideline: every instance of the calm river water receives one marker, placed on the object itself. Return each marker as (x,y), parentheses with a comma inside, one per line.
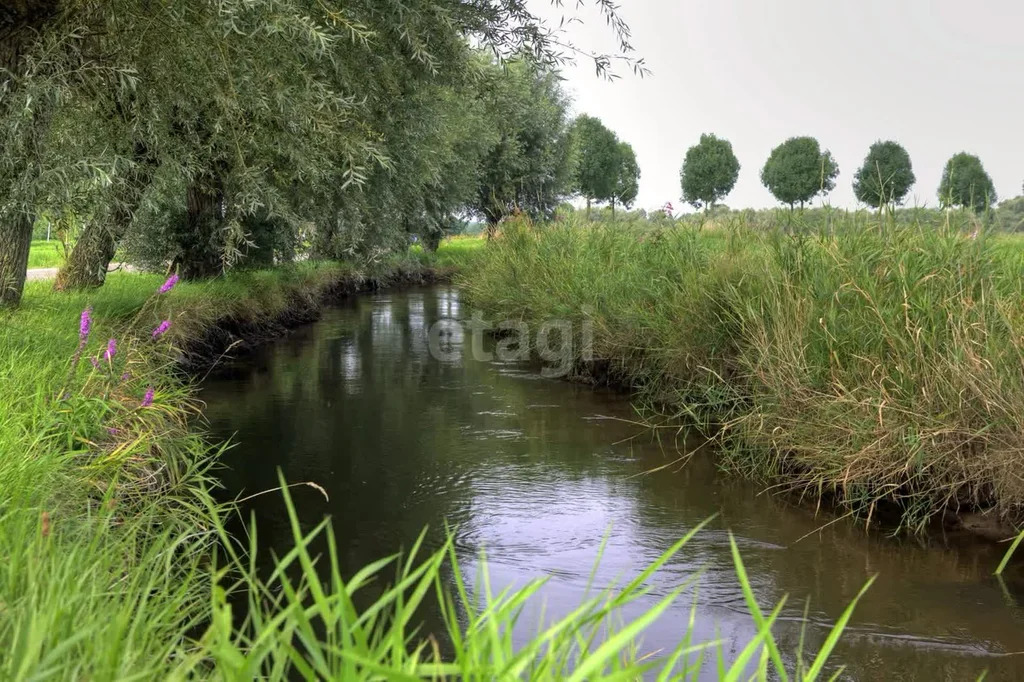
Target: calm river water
(537,471)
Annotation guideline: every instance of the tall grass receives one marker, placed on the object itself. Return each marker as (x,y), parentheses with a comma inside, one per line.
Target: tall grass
(877,364)
(303,620)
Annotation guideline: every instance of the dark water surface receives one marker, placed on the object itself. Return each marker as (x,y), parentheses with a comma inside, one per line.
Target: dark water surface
(538,471)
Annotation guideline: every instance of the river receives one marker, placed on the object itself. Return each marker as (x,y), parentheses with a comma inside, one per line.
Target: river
(537,471)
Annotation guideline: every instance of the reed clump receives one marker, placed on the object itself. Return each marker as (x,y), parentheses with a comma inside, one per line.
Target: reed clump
(872,361)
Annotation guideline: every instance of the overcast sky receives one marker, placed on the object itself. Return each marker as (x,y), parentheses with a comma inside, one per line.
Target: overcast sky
(938,76)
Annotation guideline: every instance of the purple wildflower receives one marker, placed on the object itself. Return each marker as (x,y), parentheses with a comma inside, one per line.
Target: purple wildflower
(148,399)
(162,329)
(95,362)
(169,284)
(85,326)
(111,350)
(112,431)
(124,377)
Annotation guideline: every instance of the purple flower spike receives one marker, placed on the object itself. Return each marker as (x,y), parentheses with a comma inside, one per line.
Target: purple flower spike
(85,326)
(112,431)
(162,329)
(124,377)
(148,399)
(169,284)
(95,362)
(111,350)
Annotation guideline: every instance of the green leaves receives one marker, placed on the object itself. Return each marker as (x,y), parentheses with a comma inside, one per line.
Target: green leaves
(797,171)
(966,184)
(885,177)
(605,168)
(528,167)
(596,152)
(709,172)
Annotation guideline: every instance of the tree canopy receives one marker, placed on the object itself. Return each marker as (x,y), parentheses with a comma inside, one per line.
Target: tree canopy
(709,171)
(528,168)
(966,184)
(886,176)
(627,179)
(604,167)
(597,159)
(798,170)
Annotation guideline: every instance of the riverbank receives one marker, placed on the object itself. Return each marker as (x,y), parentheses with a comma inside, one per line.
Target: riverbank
(107,524)
(879,370)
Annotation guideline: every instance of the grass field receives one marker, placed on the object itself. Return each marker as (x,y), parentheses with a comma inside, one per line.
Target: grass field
(46,254)
(879,366)
(117,565)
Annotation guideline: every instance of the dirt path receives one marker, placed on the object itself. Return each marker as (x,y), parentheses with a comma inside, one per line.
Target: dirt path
(41,273)
(50,273)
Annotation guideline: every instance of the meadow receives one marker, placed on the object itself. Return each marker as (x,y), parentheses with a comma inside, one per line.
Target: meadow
(45,254)
(874,363)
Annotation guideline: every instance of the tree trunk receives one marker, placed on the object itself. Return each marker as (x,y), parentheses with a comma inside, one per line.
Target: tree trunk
(15,240)
(493,219)
(200,245)
(90,258)
(87,264)
(588,208)
(613,208)
(20,23)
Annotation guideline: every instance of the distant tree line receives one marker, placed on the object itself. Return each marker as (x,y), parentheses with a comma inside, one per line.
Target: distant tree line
(798,170)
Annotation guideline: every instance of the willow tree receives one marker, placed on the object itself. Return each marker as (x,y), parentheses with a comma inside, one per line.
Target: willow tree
(224,114)
(237,101)
(528,169)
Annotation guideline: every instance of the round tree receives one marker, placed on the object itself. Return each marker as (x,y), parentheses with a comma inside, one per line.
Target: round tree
(798,170)
(886,176)
(709,172)
(966,184)
(597,160)
(627,179)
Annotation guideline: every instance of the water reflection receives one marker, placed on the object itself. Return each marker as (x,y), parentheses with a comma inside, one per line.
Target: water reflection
(538,472)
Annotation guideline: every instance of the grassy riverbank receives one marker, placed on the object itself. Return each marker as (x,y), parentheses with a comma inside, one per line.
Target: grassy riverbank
(875,365)
(117,565)
(106,523)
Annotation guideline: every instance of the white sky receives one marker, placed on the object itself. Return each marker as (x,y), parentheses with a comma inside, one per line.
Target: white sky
(938,76)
